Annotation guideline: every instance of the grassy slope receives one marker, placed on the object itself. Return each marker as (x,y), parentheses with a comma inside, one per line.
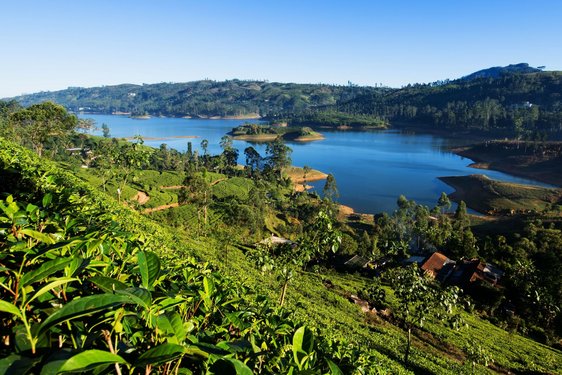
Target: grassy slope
(536,161)
(328,309)
(485,195)
(437,349)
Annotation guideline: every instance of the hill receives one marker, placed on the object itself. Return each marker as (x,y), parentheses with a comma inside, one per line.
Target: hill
(154,259)
(498,71)
(234,98)
(513,104)
(152,293)
(513,101)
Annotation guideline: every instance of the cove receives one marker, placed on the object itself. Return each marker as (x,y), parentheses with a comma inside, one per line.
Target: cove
(372,168)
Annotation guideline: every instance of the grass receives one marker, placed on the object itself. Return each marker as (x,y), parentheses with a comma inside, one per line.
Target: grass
(235,187)
(437,349)
(491,196)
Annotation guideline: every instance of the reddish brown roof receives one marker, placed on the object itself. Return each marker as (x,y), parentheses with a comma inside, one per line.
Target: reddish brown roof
(434,264)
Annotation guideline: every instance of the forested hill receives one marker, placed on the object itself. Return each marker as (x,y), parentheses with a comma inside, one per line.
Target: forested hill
(517,100)
(204,98)
(523,104)
(498,71)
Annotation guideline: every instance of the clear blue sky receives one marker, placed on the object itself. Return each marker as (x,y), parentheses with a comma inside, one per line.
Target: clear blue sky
(50,45)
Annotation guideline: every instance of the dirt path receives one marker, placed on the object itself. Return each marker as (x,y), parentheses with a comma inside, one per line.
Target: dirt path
(160,208)
(219,180)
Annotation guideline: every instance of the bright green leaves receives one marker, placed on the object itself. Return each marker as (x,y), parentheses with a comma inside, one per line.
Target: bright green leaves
(303,344)
(171,325)
(83,307)
(10,309)
(82,294)
(149,267)
(90,359)
(45,270)
(50,286)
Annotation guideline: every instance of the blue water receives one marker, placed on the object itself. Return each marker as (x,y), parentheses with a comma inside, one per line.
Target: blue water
(371,168)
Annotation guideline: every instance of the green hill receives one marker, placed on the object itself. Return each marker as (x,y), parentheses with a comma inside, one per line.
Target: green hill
(89,283)
(523,104)
(509,101)
(234,98)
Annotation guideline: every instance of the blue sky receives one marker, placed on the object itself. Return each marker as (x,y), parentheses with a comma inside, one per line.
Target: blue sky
(50,45)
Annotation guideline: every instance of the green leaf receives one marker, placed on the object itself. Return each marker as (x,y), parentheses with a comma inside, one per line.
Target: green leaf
(107,284)
(83,307)
(303,342)
(11,309)
(140,296)
(160,354)
(42,237)
(90,359)
(334,369)
(15,364)
(53,284)
(149,265)
(230,366)
(47,199)
(46,270)
(208,286)
(172,325)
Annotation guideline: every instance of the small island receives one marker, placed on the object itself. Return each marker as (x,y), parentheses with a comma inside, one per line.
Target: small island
(268,133)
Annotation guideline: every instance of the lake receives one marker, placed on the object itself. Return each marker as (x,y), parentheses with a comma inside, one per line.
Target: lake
(371,168)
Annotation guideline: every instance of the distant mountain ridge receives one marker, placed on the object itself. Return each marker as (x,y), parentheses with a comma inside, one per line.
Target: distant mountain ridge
(498,71)
(205,98)
(515,99)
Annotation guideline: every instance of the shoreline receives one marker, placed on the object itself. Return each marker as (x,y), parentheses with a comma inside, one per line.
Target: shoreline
(482,162)
(252,116)
(499,198)
(164,138)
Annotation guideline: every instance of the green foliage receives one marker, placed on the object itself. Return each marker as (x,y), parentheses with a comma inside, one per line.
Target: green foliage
(201,98)
(85,295)
(39,123)
(333,118)
(417,300)
(511,104)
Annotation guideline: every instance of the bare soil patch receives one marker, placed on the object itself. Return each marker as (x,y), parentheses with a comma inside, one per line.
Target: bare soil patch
(141,197)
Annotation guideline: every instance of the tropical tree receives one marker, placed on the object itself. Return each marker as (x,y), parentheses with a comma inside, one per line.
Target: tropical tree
(196,190)
(278,156)
(444,203)
(40,122)
(229,154)
(105,130)
(330,190)
(418,299)
(253,159)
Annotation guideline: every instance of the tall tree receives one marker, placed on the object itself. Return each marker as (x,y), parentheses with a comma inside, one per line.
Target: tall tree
(40,122)
(253,159)
(278,155)
(331,188)
(418,299)
(196,190)
(105,130)
(444,203)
